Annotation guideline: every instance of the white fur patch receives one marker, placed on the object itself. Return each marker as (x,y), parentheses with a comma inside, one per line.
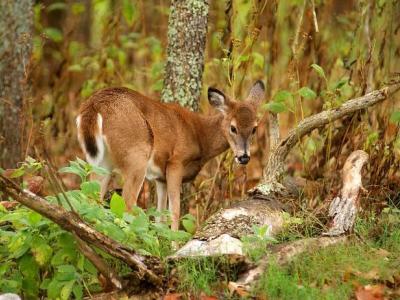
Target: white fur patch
(153,171)
(100,144)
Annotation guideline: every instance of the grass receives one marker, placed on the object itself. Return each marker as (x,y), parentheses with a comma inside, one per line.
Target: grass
(331,273)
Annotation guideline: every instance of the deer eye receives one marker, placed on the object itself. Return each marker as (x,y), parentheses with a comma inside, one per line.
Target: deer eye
(254,130)
(233,129)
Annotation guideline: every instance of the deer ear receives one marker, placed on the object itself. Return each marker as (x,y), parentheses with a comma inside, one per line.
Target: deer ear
(218,100)
(257,93)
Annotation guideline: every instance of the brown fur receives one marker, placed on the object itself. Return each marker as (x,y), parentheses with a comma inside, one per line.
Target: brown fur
(143,135)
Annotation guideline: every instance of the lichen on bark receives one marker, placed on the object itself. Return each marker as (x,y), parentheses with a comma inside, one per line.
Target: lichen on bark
(16,23)
(187,30)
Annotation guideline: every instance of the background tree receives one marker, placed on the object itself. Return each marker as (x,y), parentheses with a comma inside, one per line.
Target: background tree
(187,31)
(16,20)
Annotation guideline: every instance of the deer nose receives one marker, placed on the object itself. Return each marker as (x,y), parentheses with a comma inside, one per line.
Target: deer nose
(244,159)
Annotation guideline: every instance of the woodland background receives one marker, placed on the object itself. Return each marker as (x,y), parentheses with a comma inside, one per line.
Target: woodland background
(312,55)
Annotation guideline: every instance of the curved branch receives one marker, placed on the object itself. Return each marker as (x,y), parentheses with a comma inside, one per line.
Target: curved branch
(275,166)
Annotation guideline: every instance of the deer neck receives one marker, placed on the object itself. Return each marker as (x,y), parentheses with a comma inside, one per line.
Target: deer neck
(211,136)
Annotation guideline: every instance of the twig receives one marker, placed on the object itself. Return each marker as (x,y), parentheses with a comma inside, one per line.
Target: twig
(274,134)
(298,29)
(314,16)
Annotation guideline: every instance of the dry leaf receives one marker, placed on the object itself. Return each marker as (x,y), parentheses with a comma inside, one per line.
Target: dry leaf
(35,184)
(370,292)
(238,289)
(173,296)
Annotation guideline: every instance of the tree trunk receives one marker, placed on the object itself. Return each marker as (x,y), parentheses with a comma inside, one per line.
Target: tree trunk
(16,20)
(187,30)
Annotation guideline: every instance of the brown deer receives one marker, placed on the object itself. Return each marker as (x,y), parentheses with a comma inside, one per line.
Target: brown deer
(143,138)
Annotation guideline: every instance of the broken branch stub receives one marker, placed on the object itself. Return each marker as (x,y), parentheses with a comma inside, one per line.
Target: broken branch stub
(344,207)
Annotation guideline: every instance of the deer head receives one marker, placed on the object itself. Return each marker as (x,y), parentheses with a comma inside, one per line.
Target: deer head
(240,119)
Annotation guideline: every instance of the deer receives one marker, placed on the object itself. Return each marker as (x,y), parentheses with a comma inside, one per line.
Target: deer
(119,128)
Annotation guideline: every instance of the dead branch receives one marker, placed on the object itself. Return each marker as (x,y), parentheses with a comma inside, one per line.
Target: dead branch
(275,167)
(73,223)
(99,263)
(344,207)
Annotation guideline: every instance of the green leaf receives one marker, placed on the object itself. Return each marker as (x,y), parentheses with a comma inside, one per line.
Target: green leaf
(307,93)
(91,189)
(75,68)
(28,266)
(128,11)
(282,96)
(98,170)
(340,83)
(395,117)
(117,205)
(17,173)
(41,251)
(319,70)
(77,290)
(140,223)
(67,289)
(19,244)
(189,223)
(258,60)
(53,289)
(56,6)
(74,170)
(275,107)
(54,34)
(78,8)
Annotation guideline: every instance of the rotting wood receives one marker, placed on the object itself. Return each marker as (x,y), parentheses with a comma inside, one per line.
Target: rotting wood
(345,206)
(73,223)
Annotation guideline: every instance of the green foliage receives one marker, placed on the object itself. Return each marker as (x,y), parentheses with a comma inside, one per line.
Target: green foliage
(39,258)
(332,272)
(255,245)
(198,275)
(395,117)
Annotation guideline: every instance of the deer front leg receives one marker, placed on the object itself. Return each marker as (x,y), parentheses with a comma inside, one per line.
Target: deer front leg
(174,182)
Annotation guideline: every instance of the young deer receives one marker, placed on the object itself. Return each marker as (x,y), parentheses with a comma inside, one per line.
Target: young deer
(143,138)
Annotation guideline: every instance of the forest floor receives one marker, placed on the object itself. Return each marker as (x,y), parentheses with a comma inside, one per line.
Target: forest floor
(365,268)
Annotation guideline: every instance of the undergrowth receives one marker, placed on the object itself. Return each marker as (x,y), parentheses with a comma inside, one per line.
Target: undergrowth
(331,273)
(39,258)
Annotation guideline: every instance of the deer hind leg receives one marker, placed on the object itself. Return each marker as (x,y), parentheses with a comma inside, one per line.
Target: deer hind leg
(134,175)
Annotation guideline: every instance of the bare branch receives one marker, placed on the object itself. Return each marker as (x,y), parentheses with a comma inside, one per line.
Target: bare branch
(275,167)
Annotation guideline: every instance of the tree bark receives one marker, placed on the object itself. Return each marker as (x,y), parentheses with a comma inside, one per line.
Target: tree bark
(187,30)
(16,23)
